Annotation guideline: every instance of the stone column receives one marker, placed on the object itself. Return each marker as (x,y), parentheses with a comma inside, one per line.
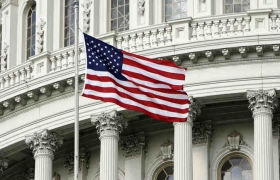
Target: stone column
(43,145)
(262,104)
(183,144)
(108,126)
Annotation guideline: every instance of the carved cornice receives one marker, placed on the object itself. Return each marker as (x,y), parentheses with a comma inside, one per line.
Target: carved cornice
(86,13)
(109,124)
(3,165)
(262,101)
(202,133)
(234,140)
(194,109)
(45,142)
(167,150)
(133,145)
(83,161)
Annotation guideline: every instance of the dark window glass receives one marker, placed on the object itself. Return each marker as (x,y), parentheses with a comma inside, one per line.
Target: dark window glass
(175,9)
(31,31)
(236,6)
(166,173)
(119,15)
(69,23)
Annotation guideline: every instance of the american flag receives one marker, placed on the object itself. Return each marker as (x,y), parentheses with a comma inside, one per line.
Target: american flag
(153,87)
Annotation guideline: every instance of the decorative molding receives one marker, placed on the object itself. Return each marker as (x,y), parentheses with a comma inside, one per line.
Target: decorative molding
(243,52)
(177,60)
(262,101)
(7,2)
(193,57)
(4,57)
(9,104)
(209,55)
(60,86)
(259,50)
(47,90)
(109,124)
(83,161)
(33,94)
(194,109)
(276,49)
(234,141)
(46,142)
(133,145)
(56,176)
(141,7)
(21,99)
(86,13)
(3,165)
(202,133)
(167,150)
(40,33)
(226,53)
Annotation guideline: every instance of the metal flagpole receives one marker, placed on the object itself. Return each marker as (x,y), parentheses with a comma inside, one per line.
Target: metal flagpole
(76,130)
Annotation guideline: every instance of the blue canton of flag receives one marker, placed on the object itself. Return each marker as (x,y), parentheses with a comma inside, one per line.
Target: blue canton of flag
(103,57)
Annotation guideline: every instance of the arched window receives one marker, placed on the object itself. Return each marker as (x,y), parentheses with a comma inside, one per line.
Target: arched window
(69,23)
(119,15)
(236,6)
(164,172)
(31,31)
(235,167)
(175,9)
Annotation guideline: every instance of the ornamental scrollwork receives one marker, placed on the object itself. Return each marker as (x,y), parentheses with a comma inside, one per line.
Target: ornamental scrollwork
(201,133)
(141,7)
(133,145)
(40,33)
(234,140)
(262,101)
(111,123)
(4,57)
(45,141)
(86,13)
(83,161)
(194,109)
(167,150)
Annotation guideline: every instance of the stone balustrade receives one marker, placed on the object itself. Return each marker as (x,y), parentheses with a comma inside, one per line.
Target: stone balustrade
(141,40)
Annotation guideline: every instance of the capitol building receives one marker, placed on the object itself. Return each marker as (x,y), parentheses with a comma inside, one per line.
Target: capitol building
(231,49)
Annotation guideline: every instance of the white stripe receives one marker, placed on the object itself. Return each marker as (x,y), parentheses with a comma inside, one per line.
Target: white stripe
(141,97)
(156,65)
(155,76)
(131,85)
(133,103)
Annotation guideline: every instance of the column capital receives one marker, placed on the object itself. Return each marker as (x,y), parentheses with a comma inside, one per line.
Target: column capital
(262,101)
(109,124)
(202,132)
(133,145)
(44,142)
(194,109)
(3,165)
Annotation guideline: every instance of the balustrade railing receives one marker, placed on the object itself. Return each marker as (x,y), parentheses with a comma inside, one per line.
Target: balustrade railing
(174,32)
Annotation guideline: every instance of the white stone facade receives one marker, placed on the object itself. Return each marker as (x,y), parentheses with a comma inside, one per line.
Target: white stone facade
(232,63)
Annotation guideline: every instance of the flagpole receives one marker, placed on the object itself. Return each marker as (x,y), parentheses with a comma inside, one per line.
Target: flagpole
(76,130)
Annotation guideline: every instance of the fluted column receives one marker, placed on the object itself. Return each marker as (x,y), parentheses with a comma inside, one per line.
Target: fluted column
(43,145)
(108,126)
(183,144)
(263,104)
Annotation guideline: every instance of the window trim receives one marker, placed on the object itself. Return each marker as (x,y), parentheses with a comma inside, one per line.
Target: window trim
(26,30)
(63,27)
(110,15)
(221,163)
(161,167)
(164,12)
(224,8)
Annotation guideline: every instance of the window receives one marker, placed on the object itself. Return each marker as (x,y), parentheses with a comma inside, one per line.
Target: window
(119,15)
(237,167)
(31,31)
(165,172)
(69,23)
(236,6)
(175,9)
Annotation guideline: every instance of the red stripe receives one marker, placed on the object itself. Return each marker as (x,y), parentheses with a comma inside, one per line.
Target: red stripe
(144,102)
(161,62)
(163,73)
(131,74)
(108,79)
(127,106)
